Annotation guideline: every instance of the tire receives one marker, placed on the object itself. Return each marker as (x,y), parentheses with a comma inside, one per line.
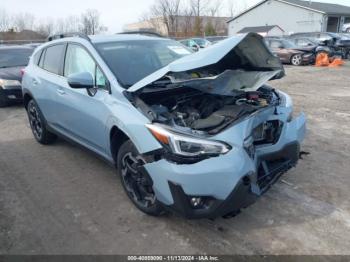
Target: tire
(296,60)
(347,56)
(38,124)
(138,186)
(3,102)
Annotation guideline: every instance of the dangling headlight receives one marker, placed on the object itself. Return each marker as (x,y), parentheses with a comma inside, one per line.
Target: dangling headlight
(187,146)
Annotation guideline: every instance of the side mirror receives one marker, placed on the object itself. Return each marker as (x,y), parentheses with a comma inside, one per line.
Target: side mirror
(81,80)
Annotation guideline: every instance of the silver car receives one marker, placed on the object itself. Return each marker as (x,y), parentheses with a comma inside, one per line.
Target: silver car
(200,134)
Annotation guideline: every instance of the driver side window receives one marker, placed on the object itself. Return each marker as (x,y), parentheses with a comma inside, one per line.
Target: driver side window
(78,60)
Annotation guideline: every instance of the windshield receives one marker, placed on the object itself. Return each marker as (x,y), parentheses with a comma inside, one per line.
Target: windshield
(289,44)
(14,57)
(131,61)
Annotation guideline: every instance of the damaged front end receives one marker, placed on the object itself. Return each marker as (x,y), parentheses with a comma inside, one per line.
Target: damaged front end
(226,135)
(202,94)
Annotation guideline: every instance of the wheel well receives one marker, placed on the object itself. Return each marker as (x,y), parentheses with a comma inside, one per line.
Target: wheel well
(117,139)
(26,100)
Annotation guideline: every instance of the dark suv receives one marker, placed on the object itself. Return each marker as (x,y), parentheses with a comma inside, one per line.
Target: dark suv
(340,43)
(13,59)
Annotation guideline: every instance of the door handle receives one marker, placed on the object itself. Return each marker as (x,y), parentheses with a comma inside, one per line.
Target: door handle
(35,82)
(61,91)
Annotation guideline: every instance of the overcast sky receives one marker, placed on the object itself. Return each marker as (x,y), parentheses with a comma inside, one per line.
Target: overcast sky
(114,13)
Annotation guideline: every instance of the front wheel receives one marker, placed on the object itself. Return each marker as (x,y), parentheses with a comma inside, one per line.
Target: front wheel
(3,102)
(38,126)
(137,184)
(297,60)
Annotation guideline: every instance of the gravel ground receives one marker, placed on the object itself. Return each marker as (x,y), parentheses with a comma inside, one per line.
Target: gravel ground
(61,199)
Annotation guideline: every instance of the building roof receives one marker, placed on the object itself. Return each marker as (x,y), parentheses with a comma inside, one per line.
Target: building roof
(326,8)
(259,29)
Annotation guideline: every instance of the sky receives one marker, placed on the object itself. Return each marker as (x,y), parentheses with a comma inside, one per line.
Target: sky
(114,13)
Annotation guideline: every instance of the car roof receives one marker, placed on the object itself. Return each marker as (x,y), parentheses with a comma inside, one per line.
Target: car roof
(124,37)
(96,39)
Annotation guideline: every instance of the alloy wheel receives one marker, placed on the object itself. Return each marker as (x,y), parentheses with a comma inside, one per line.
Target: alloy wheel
(35,121)
(296,60)
(136,184)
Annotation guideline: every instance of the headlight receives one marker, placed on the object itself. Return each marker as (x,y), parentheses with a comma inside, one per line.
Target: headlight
(9,84)
(187,146)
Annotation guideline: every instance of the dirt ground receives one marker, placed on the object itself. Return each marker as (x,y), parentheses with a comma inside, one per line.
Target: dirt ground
(61,199)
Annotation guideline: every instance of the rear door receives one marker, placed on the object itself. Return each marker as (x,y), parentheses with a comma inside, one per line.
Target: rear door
(82,115)
(47,79)
(277,48)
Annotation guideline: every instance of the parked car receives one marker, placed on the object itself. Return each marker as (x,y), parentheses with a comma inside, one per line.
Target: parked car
(312,45)
(12,60)
(190,43)
(201,134)
(196,43)
(346,28)
(290,53)
(340,44)
(215,39)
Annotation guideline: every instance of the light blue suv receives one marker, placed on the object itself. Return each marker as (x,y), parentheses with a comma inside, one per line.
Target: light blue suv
(200,134)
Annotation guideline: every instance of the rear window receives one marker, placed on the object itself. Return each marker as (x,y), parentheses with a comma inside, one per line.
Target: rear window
(52,60)
(14,57)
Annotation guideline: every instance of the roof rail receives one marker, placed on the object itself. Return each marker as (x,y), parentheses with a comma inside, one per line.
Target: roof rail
(140,33)
(64,35)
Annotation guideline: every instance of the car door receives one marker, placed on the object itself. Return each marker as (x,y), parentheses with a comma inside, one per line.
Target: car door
(46,79)
(277,48)
(83,113)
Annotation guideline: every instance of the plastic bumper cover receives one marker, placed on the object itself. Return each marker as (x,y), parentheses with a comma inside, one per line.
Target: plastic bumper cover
(14,94)
(224,178)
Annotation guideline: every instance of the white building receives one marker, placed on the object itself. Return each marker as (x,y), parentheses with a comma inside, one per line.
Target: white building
(292,16)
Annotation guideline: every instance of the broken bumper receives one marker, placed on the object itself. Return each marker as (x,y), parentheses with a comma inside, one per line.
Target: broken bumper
(11,95)
(229,182)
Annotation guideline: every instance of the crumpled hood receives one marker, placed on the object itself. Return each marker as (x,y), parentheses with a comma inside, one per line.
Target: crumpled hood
(250,48)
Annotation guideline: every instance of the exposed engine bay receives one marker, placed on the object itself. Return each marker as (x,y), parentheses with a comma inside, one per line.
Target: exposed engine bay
(190,108)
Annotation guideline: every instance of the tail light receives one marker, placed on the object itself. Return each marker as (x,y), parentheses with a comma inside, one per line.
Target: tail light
(23,70)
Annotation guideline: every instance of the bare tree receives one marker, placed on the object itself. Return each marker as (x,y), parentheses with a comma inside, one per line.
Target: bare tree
(187,22)
(91,24)
(45,27)
(168,11)
(232,7)
(22,21)
(215,8)
(213,24)
(199,7)
(4,20)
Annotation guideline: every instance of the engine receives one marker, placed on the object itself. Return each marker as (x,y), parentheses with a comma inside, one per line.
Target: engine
(202,111)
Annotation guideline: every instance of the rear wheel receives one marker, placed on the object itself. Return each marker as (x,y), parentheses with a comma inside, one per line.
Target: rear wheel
(137,184)
(38,126)
(297,60)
